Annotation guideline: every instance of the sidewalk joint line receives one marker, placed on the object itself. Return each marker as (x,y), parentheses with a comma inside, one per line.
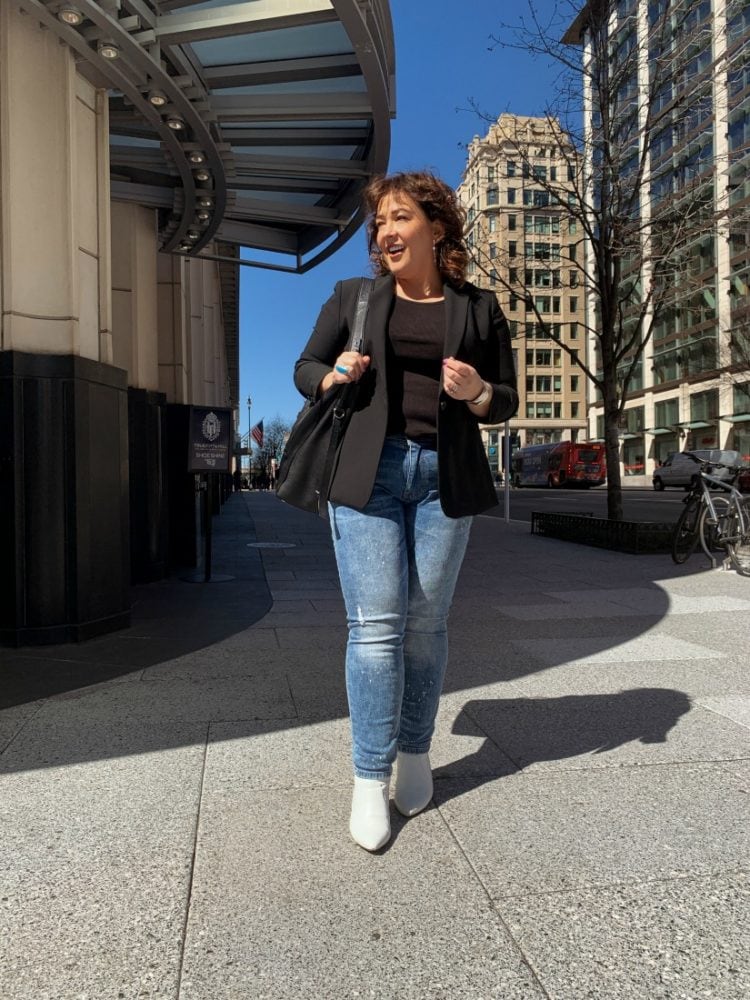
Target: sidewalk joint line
(23,725)
(493,908)
(188,901)
(632,884)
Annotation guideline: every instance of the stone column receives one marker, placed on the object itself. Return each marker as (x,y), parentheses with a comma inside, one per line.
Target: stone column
(63,406)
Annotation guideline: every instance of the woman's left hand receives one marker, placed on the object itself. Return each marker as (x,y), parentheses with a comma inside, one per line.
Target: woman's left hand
(460,380)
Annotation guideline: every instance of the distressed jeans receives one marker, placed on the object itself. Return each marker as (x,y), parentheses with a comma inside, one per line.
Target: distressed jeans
(398,561)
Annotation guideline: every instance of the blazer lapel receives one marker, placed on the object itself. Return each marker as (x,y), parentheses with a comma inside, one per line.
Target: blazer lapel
(456,311)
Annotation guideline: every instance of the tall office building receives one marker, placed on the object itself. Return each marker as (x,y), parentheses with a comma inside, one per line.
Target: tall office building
(692,387)
(527,248)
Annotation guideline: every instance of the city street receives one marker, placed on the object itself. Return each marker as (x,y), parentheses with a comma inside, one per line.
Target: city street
(639,504)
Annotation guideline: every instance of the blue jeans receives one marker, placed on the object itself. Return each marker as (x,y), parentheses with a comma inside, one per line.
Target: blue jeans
(398,561)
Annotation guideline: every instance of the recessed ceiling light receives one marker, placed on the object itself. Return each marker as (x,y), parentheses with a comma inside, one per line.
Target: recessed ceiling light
(196,156)
(70,15)
(157,98)
(202,175)
(175,122)
(108,50)
(203,215)
(206,202)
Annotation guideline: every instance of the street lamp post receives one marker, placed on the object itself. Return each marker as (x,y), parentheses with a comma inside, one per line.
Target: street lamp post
(249,438)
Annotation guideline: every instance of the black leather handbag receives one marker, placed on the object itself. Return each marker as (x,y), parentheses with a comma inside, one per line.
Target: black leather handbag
(308,462)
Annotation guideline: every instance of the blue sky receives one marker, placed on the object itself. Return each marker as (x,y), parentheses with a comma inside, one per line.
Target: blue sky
(443,63)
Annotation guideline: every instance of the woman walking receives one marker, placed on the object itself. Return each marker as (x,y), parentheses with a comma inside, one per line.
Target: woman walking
(412,472)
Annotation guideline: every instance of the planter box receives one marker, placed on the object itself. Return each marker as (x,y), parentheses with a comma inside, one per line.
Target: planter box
(637,537)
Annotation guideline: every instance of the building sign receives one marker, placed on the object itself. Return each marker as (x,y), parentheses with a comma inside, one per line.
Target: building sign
(210,439)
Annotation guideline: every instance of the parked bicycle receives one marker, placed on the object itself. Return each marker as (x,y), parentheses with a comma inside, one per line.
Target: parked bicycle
(721,523)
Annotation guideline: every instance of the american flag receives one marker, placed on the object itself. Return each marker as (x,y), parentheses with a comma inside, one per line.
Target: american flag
(257,433)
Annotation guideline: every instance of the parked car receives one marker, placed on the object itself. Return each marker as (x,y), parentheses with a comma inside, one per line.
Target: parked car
(679,468)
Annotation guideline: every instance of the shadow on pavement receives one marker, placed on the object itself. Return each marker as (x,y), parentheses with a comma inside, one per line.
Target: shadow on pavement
(272,675)
(531,730)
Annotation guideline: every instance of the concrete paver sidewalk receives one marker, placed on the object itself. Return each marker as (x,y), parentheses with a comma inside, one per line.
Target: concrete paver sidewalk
(174,798)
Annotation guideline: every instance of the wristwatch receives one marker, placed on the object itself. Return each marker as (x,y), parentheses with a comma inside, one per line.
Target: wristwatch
(483,396)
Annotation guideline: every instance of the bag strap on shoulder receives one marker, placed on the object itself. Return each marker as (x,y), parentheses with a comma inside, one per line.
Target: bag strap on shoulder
(356,341)
(342,407)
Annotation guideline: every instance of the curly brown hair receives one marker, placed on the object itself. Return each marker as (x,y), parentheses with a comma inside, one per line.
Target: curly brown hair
(439,203)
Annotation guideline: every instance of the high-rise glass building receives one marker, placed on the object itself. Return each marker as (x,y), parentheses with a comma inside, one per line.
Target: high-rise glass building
(692,81)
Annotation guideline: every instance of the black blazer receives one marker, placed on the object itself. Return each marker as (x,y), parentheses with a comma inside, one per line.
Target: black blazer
(476,332)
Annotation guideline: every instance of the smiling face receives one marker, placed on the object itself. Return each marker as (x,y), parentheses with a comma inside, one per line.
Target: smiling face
(405,238)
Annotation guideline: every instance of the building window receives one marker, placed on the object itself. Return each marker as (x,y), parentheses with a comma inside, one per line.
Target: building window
(529,383)
(513,303)
(553,173)
(538,199)
(544,383)
(510,169)
(574,379)
(574,331)
(556,304)
(493,251)
(574,410)
(511,196)
(490,174)
(557,383)
(572,227)
(633,457)
(574,279)
(557,408)
(513,275)
(492,222)
(511,223)
(492,196)
(704,406)
(493,278)
(574,303)
(512,248)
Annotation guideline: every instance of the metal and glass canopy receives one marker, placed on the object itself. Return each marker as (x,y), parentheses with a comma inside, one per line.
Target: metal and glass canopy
(255,123)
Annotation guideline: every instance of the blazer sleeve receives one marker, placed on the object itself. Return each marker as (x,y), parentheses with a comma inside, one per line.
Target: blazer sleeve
(500,371)
(326,342)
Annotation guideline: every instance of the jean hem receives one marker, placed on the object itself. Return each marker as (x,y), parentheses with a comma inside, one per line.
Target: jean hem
(372,775)
(411,749)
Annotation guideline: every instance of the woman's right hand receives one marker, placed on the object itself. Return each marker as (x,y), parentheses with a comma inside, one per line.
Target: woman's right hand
(349,367)
(355,366)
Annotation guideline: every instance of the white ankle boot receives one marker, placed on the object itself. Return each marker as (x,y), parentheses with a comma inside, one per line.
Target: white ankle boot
(413,783)
(370,823)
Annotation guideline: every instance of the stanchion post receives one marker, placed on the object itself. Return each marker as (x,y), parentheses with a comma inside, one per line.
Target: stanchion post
(506,467)
(209,519)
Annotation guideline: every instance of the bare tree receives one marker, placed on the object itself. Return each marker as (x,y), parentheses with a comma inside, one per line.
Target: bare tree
(639,209)
(275,433)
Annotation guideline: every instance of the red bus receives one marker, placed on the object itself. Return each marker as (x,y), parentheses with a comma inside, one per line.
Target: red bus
(563,463)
